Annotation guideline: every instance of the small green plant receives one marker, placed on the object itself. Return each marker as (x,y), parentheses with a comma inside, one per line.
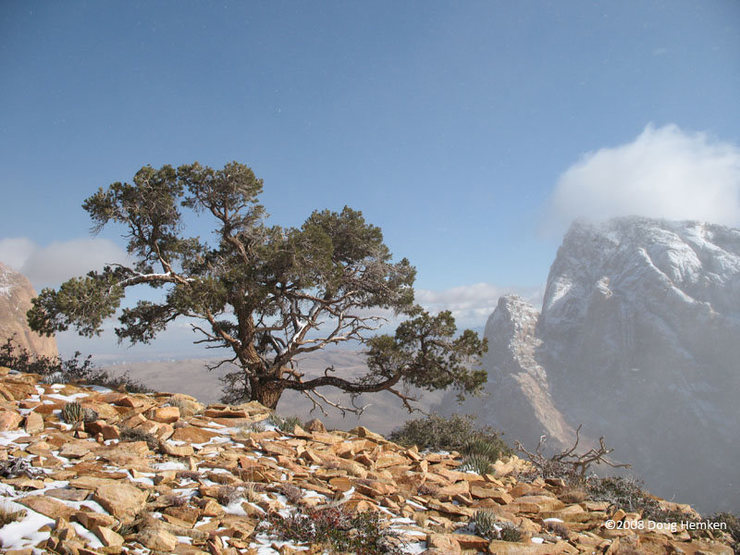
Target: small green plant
(9,515)
(558,528)
(286,424)
(510,533)
(485,524)
(488,526)
(73,413)
(362,533)
(479,464)
(135,434)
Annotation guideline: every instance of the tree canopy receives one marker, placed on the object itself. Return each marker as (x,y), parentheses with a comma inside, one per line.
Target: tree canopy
(266,294)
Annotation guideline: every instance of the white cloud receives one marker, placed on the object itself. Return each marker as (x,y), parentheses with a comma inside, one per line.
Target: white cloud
(471,305)
(664,173)
(52,264)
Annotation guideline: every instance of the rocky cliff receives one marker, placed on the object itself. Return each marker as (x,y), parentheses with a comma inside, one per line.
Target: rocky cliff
(16,293)
(162,473)
(638,340)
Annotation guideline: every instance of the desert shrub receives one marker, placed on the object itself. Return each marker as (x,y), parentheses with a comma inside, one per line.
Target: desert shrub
(14,467)
(573,494)
(510,533)
(226,495)
(626,493)
(9,515)
(557,528)
(488,526)
(362,533)
(286,424)
(188,475)
(58,370)
(568,465)
(455,433)
(292,493)
(136,434)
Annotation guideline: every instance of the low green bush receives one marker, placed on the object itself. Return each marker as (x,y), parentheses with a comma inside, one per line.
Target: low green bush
(454,433)
(340,531)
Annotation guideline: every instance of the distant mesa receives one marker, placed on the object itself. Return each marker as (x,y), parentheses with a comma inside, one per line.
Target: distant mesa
(16,293)
(638,339)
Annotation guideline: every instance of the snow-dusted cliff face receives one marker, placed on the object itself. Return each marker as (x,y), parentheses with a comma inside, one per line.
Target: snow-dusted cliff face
(638,340)
(16,293)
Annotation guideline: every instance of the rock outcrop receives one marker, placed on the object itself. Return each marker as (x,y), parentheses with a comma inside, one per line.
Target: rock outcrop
(16,293)
(638,340)
(161,473)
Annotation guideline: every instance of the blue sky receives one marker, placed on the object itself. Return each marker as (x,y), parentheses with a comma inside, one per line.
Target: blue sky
(455,126)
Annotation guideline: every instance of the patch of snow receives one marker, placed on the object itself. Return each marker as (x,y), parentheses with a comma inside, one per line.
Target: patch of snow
(24,533)
(90,538)
(169,465)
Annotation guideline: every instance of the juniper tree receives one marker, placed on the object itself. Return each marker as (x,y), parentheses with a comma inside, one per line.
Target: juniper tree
(266,294)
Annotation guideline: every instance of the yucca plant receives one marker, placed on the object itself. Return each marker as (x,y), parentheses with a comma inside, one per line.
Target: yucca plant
(485,524)
(73,413)
(480,464)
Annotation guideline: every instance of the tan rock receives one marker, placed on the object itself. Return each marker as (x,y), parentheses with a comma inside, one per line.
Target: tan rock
(212,508)
(47,506)
(497,494)
(443,544)
(177,450)
(157,539)
(387,459)
(108,431)
(316,425)
(165,415)
(108,537)
(75,450)
(122,500)
(34,423)
(9,420)
(90,519)
(448,492)
(470,542)
(225,413)
(193,434)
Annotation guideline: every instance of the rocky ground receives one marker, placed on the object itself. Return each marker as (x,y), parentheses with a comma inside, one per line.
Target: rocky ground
(163,473)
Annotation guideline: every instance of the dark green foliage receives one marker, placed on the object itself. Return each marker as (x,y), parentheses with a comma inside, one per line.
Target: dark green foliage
(267,294)
(485,524)
(58,370)
(73,413)
(455,433)
(360,533)
(488,526)
(510,533)
(480,464)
